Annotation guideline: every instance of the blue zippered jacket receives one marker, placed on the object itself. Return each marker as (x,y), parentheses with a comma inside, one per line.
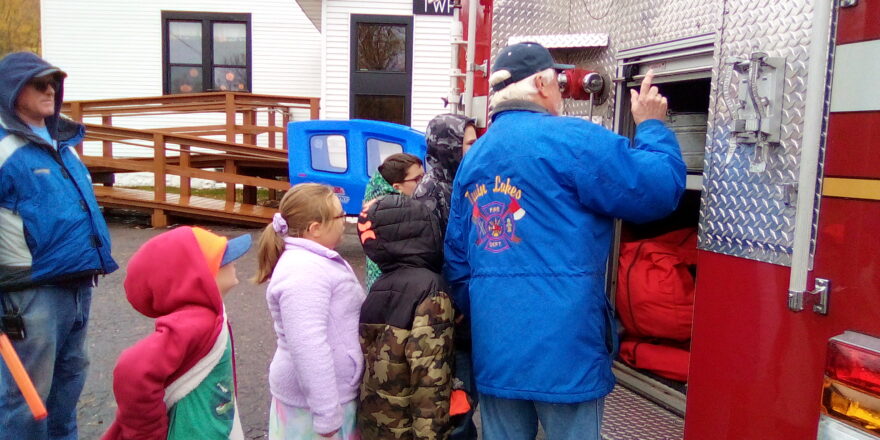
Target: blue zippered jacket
(51,229)
(528,240)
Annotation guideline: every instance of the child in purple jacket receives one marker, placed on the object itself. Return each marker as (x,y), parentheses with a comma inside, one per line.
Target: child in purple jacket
(315,300)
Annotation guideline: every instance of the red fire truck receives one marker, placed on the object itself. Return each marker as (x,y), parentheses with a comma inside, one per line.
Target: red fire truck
(777,108)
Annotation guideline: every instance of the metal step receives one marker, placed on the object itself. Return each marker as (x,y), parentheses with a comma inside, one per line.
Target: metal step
(629,416)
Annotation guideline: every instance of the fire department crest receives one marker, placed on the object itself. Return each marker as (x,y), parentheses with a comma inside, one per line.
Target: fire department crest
(496,220)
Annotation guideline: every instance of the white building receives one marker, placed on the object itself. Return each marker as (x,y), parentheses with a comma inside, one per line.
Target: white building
(116,49)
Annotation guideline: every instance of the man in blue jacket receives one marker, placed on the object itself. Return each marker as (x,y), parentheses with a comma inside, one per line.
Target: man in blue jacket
(528,240)
(53,244)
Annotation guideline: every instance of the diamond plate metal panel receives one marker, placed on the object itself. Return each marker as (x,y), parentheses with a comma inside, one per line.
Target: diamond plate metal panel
(749,214)
(628,416)
(566,41)
(744,214)
(627,23)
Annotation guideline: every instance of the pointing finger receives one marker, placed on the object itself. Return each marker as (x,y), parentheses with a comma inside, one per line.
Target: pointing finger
(646,82)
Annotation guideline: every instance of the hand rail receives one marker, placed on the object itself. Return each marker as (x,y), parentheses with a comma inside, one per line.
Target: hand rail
(238,152)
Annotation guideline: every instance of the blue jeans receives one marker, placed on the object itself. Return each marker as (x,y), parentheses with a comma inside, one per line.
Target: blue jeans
(54,355)
(509,419)
(465,429)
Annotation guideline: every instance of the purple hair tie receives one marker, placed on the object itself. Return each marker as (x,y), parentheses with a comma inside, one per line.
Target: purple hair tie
(279,224)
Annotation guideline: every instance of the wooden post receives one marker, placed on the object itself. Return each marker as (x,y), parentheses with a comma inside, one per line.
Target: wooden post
(76,113)
(159,219)
(249,120)
(271,124)
(230,187)
(230,117)
(107,120)
(249,193)
(185,182)
(315,107)
(284,121)
(159,167)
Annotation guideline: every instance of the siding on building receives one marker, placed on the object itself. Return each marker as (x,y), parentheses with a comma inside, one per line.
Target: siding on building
(113,49)
(431,67)
(432,50)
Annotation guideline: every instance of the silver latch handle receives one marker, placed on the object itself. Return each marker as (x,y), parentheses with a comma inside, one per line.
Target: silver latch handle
(821,292)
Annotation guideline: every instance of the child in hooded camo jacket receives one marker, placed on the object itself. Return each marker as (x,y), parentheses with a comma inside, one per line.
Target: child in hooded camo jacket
(406,325)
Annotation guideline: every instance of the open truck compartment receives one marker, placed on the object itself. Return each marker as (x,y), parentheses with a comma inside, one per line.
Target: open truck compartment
(653,272)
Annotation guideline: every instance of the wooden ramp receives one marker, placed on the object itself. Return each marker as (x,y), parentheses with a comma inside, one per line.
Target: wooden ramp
(191,207)
(193,152)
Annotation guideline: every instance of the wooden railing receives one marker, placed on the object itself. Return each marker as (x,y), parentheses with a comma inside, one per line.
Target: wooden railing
(193,154)
(231,104)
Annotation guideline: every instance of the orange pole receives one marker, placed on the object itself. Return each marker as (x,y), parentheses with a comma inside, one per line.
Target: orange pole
(21,378)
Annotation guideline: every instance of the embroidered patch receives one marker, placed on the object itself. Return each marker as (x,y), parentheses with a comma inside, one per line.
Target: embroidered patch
(496,219)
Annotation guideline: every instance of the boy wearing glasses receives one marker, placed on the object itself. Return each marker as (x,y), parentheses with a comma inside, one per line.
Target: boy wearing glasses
(399,173)
(53,244)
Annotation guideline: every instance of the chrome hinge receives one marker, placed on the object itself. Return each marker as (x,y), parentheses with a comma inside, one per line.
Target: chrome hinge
(484,67)
(820,294)
(848,3)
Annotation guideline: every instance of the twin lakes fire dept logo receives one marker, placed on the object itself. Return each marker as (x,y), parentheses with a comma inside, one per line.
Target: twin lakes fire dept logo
(496,220)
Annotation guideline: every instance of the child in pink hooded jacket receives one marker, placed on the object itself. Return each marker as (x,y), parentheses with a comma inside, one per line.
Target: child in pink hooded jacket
(178,383)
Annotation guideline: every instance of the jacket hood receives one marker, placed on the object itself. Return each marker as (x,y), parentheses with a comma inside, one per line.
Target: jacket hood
(445,136)
(397,231)
(377,186)
(16,69)
(175,270)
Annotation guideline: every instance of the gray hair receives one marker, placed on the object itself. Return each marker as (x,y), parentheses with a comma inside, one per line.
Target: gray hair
(522,89)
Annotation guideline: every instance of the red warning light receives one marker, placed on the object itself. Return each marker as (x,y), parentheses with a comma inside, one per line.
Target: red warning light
(854,365)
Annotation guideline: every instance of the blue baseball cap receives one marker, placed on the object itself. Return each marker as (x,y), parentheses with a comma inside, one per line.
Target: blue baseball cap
(523,60)
(235,248)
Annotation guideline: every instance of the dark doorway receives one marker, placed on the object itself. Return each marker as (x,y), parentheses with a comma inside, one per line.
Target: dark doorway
(381,68)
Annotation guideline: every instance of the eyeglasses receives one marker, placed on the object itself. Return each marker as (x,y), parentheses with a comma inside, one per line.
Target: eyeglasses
(339,216)
(416,179)
(41,84)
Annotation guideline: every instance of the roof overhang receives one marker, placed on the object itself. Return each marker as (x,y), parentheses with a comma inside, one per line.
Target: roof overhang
(312,9)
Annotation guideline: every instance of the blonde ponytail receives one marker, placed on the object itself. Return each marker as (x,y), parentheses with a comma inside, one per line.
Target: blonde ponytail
(269,248)
(302,205)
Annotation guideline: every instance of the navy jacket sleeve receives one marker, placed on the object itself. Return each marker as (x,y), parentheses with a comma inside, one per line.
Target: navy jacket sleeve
(456,269)
(638,184)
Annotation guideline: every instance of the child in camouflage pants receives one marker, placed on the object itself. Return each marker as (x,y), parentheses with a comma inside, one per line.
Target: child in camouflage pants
(406,325)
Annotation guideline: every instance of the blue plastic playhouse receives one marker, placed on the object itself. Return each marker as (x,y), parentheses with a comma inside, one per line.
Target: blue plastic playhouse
(345,154)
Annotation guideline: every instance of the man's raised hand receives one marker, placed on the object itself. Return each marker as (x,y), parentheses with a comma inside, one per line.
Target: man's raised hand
(648,103)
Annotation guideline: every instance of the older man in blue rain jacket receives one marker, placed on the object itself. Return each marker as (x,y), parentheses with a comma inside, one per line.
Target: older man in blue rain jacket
(528,240)
(53,244)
